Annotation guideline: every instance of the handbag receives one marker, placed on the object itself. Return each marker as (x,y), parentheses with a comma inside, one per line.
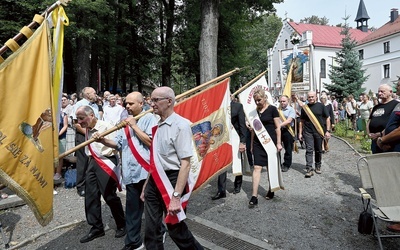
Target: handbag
(365,221)
(70,178)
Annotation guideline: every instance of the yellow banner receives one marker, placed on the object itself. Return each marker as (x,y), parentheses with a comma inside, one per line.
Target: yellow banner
(27,124)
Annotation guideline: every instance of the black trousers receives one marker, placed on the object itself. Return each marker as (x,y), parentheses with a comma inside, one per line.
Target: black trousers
(222,182)
(99,183)
(81,163)
(133,211)
(313,146)
(287,140)
(154,210)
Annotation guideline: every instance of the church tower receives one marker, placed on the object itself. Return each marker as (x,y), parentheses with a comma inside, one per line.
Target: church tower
(362,17)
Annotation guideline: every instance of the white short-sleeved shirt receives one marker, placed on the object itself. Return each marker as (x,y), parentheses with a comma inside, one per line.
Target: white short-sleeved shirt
(173,141)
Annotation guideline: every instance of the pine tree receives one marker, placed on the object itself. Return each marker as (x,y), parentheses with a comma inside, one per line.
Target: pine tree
(347,75)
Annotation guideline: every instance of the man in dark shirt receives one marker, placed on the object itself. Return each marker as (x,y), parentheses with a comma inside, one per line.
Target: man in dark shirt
(308,132)
(380,115)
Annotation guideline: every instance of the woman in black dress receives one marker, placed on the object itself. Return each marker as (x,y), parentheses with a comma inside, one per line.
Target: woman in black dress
(269,117)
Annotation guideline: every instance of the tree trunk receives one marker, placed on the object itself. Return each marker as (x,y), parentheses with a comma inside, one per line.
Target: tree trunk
(208,40)
(83,63)
(166,44)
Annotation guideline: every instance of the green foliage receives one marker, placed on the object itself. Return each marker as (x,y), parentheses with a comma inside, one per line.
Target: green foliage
(126,40)
(365,144)
(315,20)
(341,129)
(347,75)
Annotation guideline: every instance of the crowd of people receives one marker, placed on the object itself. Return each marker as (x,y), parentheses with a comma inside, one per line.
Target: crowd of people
(305,121)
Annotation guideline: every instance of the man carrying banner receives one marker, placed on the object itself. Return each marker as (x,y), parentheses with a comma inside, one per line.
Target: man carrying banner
(102,177)
(238,121)
(314,116)
(171,151)
(134,142)
(89,99)
(287,115)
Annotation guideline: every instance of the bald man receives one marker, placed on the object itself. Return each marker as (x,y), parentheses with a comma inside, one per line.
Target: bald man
(172,150)
(379,116)
(134,175)
(309,133)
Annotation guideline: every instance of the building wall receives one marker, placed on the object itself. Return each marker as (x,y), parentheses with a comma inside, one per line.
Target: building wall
(375,59)
(316,54)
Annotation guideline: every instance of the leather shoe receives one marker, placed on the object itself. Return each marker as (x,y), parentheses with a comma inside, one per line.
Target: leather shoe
(236,190)
(92,235)
(120,232)
(219,195)
(81,193)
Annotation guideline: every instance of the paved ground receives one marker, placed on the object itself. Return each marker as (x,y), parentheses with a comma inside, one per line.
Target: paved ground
(316,213)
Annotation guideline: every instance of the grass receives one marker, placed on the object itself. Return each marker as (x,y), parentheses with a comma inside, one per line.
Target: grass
(356,139)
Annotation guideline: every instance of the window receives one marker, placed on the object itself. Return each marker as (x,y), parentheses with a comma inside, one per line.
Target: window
(361,54)
(286,44)
(323,68)
(386,47)
(386,71)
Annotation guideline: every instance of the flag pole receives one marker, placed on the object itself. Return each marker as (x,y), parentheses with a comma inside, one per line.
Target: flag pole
(249,83)
(33,24)
(124,123)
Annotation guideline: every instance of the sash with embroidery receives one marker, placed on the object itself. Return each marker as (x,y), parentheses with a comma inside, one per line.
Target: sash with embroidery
(164,185)
(274,169)
(131,143)
(114,171)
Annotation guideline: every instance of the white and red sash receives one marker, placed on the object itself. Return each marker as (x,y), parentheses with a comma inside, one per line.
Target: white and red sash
(164,185)
(114,171)
(131,143)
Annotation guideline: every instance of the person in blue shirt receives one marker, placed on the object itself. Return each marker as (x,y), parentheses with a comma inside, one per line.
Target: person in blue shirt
(134,175)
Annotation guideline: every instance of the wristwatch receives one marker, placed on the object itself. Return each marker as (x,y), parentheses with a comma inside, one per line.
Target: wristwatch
(176,194)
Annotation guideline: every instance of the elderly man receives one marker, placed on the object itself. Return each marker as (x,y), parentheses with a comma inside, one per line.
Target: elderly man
(89,98)
(309,122)
(287,138)
(380,115)
(171,152)
(136,135)
(102,177)
(390,142)
(112,111)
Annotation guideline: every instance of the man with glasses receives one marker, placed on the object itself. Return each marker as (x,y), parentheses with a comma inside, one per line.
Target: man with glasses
(89,99)
(171,152)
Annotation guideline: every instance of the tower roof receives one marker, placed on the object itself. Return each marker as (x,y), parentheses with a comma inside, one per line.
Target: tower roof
(362,13)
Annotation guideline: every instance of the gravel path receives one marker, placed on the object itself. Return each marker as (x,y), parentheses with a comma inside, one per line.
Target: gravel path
(316,213)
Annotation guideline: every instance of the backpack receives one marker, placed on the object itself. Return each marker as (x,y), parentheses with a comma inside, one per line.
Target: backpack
(70,178)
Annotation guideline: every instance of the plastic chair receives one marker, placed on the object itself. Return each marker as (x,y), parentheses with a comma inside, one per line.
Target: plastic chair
(381,174)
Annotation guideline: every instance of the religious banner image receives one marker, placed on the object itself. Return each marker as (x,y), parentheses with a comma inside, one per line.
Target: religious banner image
(300,58)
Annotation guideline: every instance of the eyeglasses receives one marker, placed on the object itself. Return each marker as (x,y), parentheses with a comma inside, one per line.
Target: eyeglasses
(158,99)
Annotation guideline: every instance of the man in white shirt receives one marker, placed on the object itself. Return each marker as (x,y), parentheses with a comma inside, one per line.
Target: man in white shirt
(112,111)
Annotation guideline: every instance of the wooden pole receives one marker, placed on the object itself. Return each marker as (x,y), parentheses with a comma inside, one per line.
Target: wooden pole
(34,24)
(123,123)
(249,83)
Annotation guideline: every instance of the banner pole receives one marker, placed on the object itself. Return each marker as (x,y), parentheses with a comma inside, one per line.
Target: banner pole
(249,83)
(123,123)
(33,24)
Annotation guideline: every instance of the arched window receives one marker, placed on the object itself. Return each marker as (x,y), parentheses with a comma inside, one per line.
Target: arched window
(286,43)
(323,68)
